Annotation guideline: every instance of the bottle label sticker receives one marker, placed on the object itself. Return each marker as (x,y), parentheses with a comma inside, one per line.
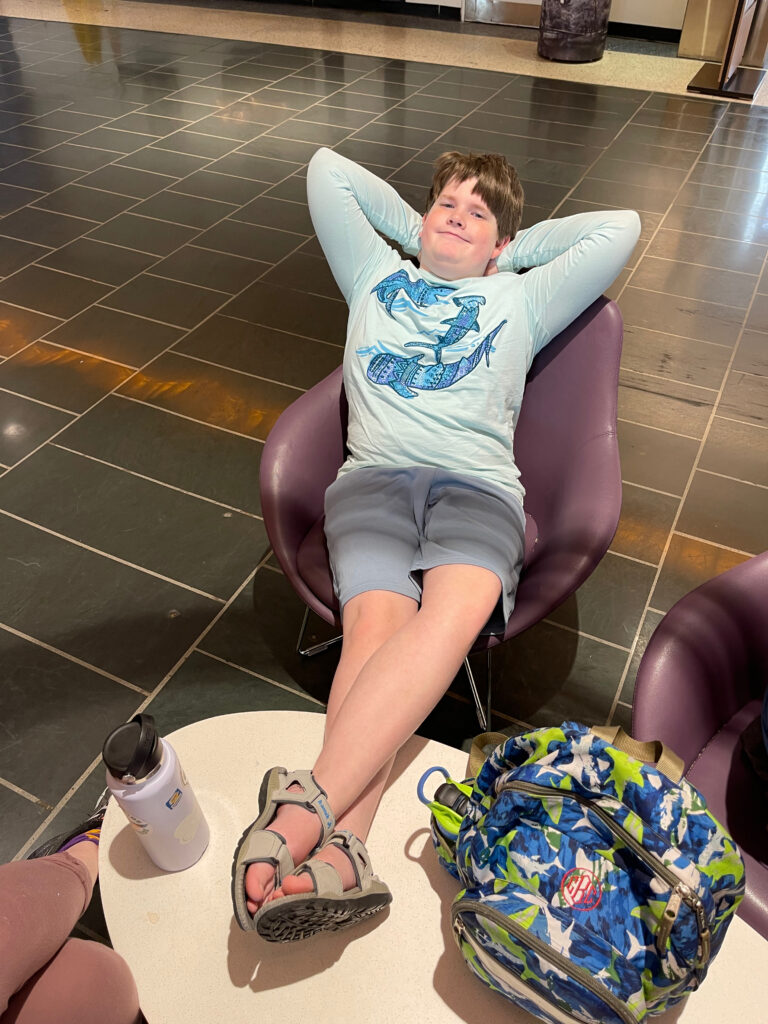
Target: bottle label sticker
(183,776)
(143,828)
(173,800)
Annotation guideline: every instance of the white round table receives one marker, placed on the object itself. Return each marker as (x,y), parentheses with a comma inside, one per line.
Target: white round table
(193,964)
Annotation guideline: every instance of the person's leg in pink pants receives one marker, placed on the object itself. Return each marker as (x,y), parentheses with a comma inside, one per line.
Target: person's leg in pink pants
(46,977)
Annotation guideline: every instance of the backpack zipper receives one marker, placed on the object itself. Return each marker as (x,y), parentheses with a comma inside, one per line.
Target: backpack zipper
(541,948)
(681,893)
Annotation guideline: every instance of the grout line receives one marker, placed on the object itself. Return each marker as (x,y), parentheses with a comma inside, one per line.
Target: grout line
(71,657)
(111,557)
(743,423)
(662,430)
(22,792)
(181,415)
(587,636)
(735,479)
(714,544)
(668,380)
(37,401)
(258,675)
(243,373)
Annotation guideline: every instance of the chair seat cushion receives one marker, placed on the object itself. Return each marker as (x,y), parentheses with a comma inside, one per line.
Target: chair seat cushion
(737,798)
(314,569)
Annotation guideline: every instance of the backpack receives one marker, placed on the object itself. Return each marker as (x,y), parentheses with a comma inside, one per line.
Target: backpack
(597,887)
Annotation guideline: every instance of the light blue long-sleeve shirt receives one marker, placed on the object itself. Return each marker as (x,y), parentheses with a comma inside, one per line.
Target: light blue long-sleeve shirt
(434,370)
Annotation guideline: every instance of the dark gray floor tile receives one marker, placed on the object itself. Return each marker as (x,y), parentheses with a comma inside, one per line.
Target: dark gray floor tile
(377,153)
(20,326)
(224,188)
(28,103)
(110,334)
(739,178)
(628,171)
(293,189)
(655,458)
(170,302)
(650,621)
(306,131)
(114,141)
(127,181)
(371,104)
(729,200)
(733,156)
(622,195)
(109,615)
(687,564)
(33,137)
(82,158)
(205,686)
(52,730)
(551,675)
(687,318)
(78,201)
(252,241)
(144,234)
(681,359)
(752,353)
(15,254)
(70,121)
(193,456)
(211,97)
(162,161)
(311,316)
(235,129)
(685,247)
(179,536)
(745,398)
(183,111)
(194,144)
(102,105)
(147,124)
(645,135)
(610,603)
(736,449)
(254,168)
(758,314)
(250,348)
(646,519)
(50,291)
(13,198)
(45,228)
(686,105)
(44,177)
(676,119)
(210,394)
(20,819)
(209,269)
(695,282)
(59,376)
(304,272)
(342,117)
(392,134)
(274,213)
(186,210)
(717,224)
(98,261)
(258,632)
(25,425)
(267,110)
(657,156)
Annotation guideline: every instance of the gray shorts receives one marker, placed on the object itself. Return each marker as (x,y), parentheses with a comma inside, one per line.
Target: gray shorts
(385,526)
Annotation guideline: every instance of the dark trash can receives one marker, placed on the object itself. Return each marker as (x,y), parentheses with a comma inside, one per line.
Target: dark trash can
(573,30)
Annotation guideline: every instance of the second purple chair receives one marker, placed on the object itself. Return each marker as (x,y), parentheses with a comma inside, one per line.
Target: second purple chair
(565,447)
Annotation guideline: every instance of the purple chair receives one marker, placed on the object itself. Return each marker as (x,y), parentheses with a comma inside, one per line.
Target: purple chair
(565,447)
(699,686)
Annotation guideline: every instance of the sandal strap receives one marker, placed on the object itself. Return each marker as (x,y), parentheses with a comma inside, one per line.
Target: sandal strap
(268,847)
(311,796)
(325,877)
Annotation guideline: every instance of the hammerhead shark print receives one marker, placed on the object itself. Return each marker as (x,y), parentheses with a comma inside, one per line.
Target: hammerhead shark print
(419,292)
(464,322)
(405,376)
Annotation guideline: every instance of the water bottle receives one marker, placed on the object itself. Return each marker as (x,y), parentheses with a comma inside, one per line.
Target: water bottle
(149,784)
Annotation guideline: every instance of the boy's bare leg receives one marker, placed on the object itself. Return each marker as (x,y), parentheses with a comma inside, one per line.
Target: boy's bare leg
(369,620)
(395,690)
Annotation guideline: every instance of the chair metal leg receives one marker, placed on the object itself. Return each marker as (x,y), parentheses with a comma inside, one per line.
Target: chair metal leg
(308,652)
(484,715)
(481,718)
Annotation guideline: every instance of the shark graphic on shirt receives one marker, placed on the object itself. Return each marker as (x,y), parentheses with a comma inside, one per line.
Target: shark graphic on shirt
(407,375)
(419,292)
(458,327)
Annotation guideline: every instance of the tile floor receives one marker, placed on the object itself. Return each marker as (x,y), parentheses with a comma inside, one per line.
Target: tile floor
(162,299)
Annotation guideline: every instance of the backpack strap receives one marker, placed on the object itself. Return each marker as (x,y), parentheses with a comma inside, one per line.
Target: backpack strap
(653,752)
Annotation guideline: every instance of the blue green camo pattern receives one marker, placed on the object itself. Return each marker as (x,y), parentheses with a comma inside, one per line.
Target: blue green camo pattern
(514,849)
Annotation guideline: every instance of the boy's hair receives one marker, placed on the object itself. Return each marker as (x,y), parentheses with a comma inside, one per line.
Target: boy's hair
(497,185)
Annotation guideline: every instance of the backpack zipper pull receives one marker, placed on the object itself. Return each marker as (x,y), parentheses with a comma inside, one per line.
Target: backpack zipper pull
(668,919)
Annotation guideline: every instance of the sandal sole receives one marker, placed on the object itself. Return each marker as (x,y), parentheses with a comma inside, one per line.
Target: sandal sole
(304,918)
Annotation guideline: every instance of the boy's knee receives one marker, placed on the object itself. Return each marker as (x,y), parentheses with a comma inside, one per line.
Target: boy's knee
(377,614)
(94,985)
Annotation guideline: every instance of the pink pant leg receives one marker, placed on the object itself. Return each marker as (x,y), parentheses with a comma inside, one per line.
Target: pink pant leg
(40,901)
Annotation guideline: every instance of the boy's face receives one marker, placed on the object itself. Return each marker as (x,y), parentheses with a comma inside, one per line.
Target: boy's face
(459,234)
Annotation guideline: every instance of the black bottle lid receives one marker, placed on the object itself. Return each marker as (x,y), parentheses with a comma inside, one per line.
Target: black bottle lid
(133,749)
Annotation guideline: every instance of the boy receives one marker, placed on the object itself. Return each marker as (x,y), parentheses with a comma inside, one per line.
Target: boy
(425,521)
